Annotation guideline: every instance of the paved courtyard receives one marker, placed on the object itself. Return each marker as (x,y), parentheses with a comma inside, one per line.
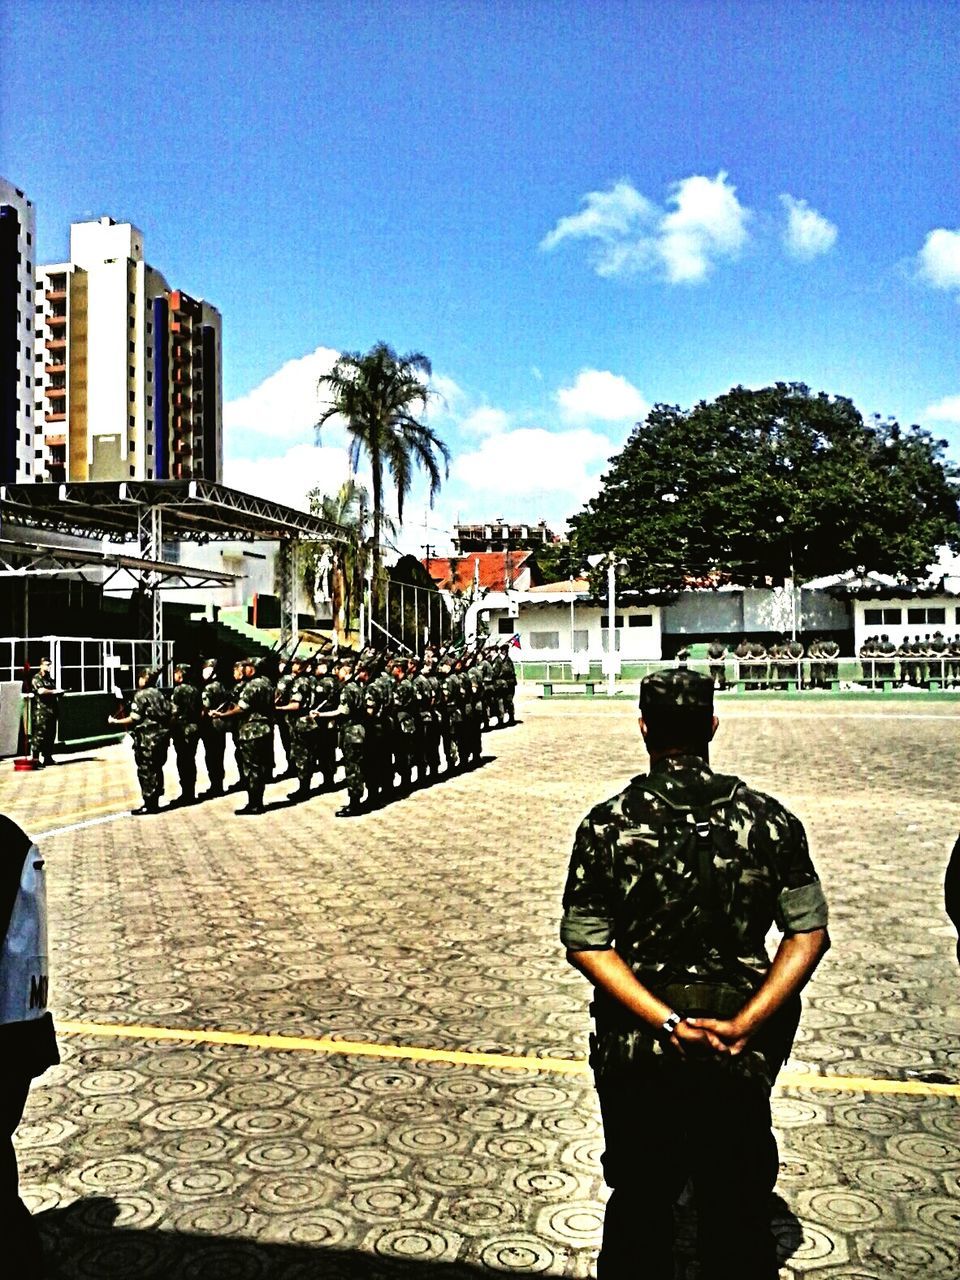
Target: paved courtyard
(297,1145)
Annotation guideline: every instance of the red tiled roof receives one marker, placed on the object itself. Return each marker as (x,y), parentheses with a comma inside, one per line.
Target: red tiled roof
(486,566)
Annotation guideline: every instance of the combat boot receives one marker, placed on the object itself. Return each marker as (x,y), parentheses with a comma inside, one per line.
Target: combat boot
(351,810)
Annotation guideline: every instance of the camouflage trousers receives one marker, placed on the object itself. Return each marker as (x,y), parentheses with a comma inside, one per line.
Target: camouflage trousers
(43,731)
(185,741)
(256,761)
(352,744)
(214,743)
(302,750)
(150,754)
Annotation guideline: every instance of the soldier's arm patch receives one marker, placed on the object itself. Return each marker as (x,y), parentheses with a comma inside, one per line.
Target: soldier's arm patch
(801,909)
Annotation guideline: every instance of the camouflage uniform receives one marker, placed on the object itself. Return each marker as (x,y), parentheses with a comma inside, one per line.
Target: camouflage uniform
(151,715)
(352,737)
(429,727)
(284,722)
(326,698)
(187,706)
(636,883)
(405,736)
(451,716)
(255,738)
(716,652)
(43,717)
(301,731)
(213,733)
(509,685)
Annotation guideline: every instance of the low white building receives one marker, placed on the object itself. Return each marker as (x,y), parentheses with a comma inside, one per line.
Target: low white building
(562,622)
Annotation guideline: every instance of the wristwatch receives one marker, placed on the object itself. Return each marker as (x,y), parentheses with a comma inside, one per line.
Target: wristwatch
(670,1025)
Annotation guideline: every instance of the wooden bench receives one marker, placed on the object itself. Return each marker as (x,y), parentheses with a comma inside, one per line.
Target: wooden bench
(568,687)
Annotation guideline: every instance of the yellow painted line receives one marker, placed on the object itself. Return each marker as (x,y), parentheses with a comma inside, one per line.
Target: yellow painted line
(866,1084)
(503,1061)
(349,1048)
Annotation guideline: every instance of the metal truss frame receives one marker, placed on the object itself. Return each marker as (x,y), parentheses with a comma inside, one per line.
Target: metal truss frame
(148,511)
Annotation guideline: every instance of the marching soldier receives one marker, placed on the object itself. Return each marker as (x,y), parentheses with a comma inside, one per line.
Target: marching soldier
(405,720)
(284,724)
(254,709)
(43,715)
(187,708)
(213,733)
(299,730)
(326,698)
(149,723)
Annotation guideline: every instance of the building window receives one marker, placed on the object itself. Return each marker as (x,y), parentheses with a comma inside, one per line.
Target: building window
(640,620)
(133,420)
(26,439)
(28,380)
(149,473)
(132,347)
(26,467)
(544,639)
(919,617)
(133,396)
(133,471)
(881,617)
(505,626)
(581,641)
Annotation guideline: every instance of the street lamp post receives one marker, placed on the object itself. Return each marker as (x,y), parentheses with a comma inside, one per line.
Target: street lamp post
(611,628)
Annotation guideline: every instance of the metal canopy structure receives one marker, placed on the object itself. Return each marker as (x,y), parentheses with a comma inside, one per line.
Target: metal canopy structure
(38,559)
(192,511)
(148,512)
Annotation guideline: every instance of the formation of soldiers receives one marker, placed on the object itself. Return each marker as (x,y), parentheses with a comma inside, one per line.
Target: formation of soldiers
(933,657)
(774,665)
(392,722)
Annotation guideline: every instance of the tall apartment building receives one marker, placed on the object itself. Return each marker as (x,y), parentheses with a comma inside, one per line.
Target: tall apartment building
(127,373)
(18,235)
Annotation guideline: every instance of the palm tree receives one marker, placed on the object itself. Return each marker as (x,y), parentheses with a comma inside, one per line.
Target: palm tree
(377,395)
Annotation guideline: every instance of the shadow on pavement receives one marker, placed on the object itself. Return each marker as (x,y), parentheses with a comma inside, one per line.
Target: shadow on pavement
(81,1242)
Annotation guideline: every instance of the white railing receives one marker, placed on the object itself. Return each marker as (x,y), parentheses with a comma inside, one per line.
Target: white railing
(81,664)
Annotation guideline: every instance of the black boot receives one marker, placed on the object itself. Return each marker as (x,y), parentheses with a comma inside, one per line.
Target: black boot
(351,810)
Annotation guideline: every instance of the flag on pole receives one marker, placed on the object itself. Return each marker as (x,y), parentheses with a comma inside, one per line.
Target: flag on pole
(515,640)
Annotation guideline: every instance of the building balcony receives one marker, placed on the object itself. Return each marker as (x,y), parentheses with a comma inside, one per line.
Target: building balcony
(55,344)
(55,393)
(56,320)
(56,290)
(55,442)
(56,415)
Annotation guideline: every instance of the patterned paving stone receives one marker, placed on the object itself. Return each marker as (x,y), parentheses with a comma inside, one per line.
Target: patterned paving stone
(433,923)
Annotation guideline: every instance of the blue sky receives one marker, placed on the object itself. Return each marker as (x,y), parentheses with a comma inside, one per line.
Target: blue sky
(576,210)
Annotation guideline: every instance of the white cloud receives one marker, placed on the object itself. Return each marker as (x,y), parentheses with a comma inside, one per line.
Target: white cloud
(601,396)
(608,216)
(447,394)
(709,222)
(486,421)
(945,410)
(939,259)
(531,461)
(282,409)
(631,234)
(287,477)
(808,233)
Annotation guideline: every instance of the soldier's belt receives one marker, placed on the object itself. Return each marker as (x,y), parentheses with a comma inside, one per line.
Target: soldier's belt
(705,999)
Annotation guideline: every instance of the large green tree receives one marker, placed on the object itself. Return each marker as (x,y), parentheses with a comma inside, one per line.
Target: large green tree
(756,484)
(379,395)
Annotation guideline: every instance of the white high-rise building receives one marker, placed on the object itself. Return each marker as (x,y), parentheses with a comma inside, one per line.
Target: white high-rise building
(128,372)
(18,234)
